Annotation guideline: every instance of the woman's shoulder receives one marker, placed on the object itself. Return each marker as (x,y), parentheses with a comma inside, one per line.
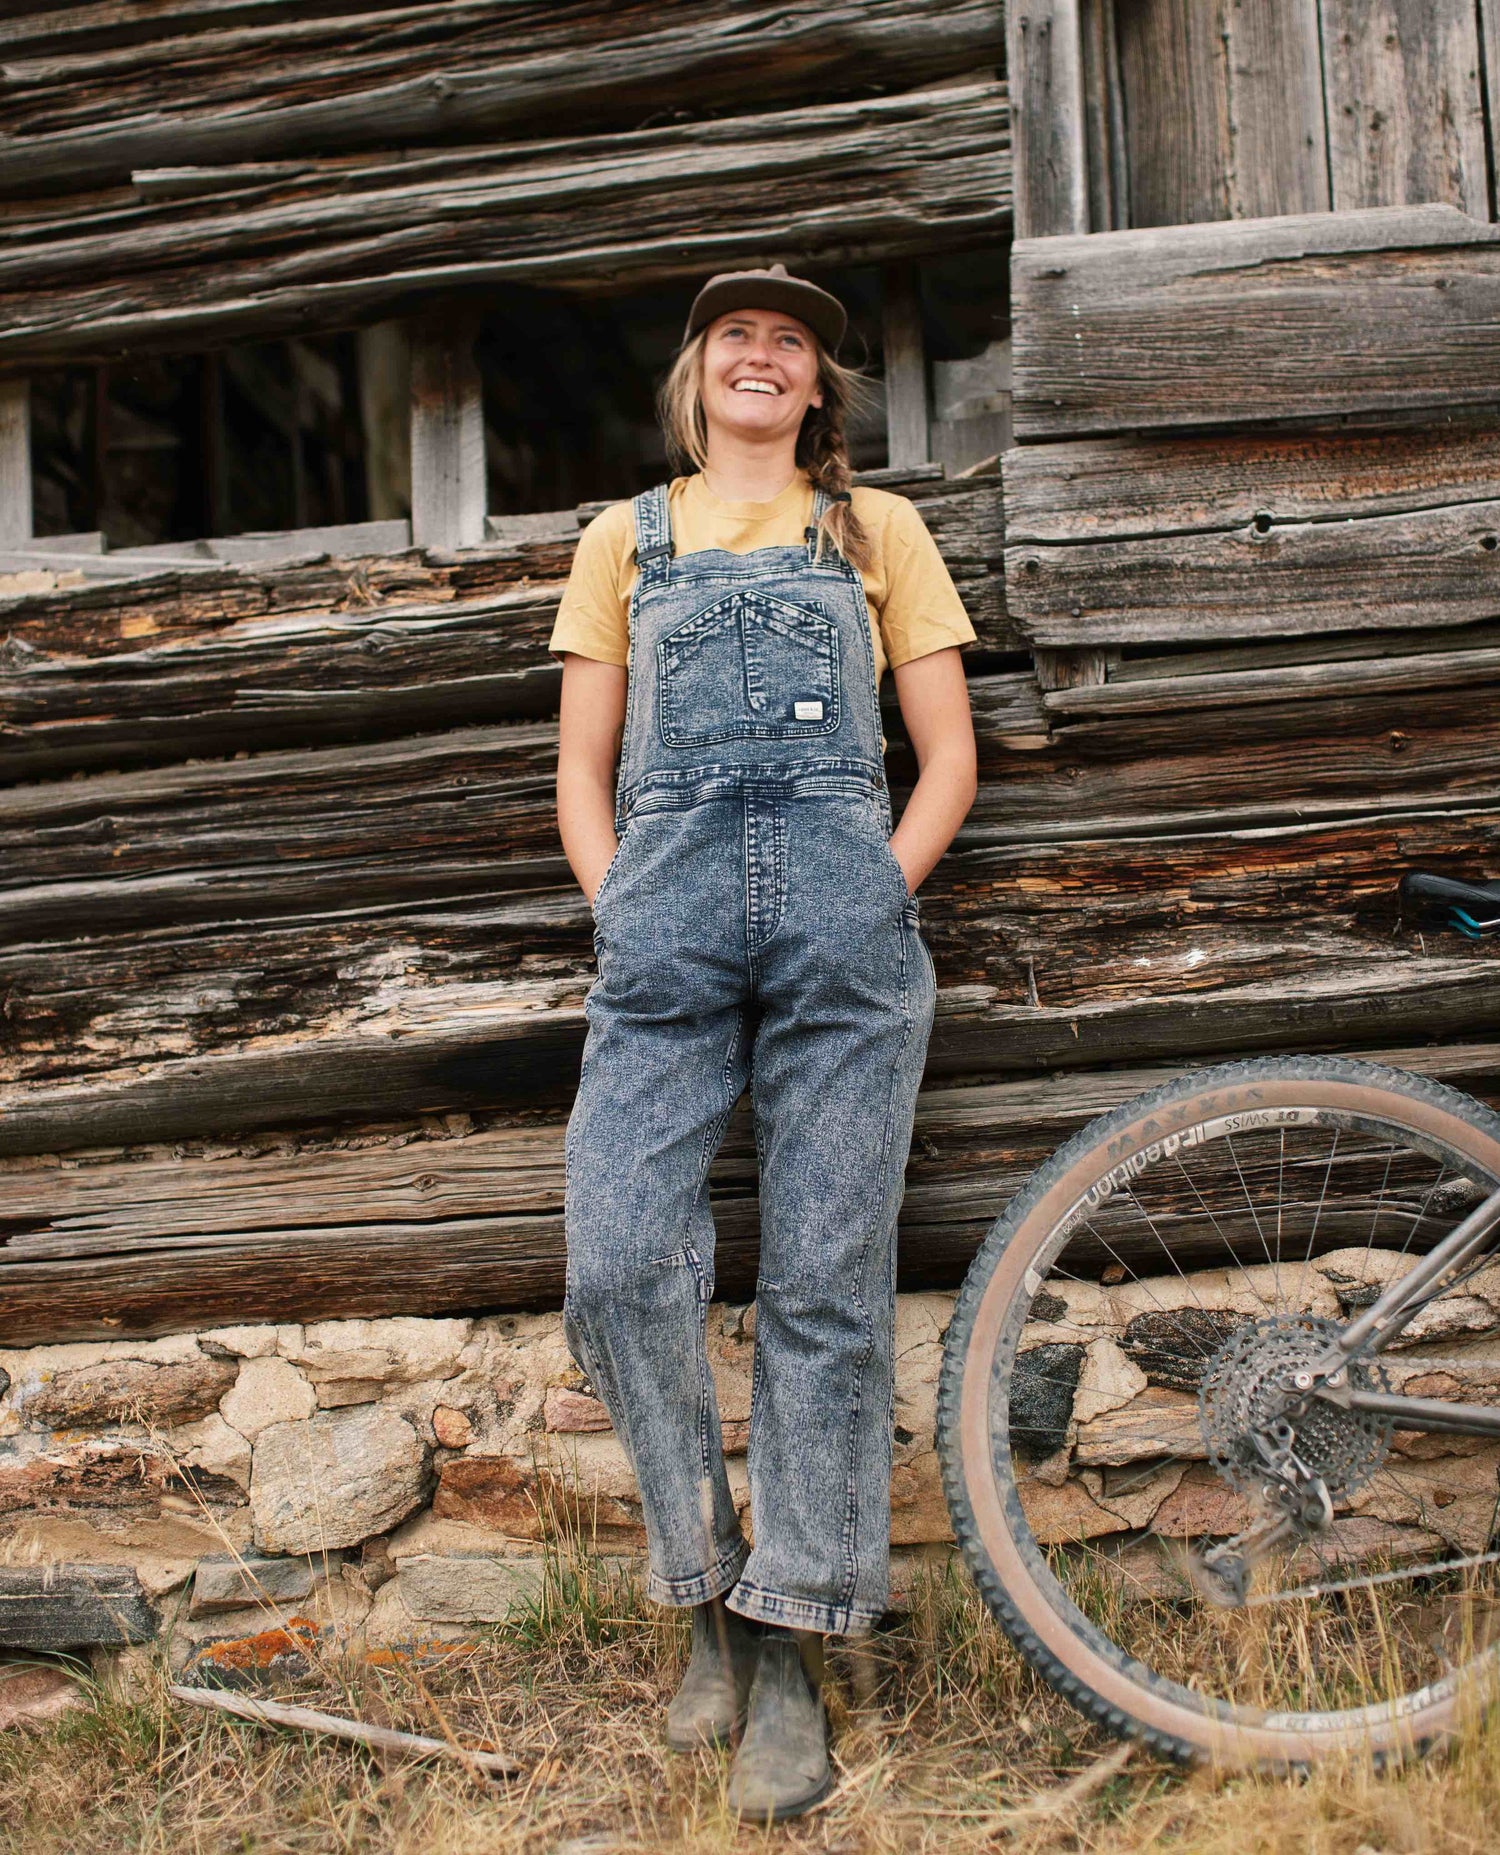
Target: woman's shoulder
(885,514)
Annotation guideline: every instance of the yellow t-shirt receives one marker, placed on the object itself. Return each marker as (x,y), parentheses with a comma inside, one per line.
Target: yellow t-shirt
(913,604)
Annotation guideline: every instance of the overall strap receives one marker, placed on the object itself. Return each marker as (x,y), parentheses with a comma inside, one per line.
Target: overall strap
(653,534)
(822,503)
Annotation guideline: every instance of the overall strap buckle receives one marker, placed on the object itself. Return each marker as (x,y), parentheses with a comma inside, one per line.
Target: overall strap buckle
(653,533)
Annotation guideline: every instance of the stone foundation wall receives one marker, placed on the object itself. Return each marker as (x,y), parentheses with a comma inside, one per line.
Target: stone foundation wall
(394,1479)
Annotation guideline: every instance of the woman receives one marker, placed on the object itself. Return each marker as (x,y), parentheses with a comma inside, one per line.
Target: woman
(755,923)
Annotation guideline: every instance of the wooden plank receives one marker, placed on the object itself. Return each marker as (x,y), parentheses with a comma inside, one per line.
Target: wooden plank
(15,463)
(447,434)
(531,1058)
(296,652)
(1278,139)
(85,107)
(1045,66)
(373,1010)
(1389,309)
(904,359)
(1132,488)
(344,240)
(1103,116)
(972,1149)
(1426,567)
(1426,670)
(1223,106)
(1405,103)
(1489,52)
(1176,108)
(62,1607)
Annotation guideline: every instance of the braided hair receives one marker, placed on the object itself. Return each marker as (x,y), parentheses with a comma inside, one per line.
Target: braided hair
(822,448)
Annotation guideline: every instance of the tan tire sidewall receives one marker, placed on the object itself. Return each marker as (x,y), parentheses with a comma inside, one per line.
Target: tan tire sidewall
(1149,1708)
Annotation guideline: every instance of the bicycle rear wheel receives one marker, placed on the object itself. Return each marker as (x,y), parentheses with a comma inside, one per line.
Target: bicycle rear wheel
(1104,1363)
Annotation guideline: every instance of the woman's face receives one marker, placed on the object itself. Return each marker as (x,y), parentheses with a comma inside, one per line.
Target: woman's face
(760,374)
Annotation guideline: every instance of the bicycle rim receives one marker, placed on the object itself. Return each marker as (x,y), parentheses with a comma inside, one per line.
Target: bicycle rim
(1105,1363)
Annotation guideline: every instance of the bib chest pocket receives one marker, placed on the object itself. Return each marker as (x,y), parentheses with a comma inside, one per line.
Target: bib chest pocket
(748,667)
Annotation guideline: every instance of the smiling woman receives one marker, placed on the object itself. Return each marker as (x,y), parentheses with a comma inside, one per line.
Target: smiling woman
(755,923)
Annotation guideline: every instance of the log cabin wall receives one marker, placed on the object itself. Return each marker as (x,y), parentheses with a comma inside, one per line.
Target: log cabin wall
(293,967)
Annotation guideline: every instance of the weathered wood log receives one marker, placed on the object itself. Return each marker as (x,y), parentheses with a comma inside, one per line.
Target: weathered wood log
(275,655)
(1223,111)
(1420,669)
(169,1238)
(1431,566)
(89,101)
(1296,318)
(1405,104)
(1045,66)
(1134,489)
(474,1054)
(15,463)
(895,177)
(57,1607)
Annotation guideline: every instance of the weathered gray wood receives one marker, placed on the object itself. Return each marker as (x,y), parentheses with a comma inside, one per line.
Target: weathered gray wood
(1489,49)
(57,1607)
(1267,579)
(1427,670)
(1103,116)
(1133,488)
(286,654)
(447,434)
(883,178)
(1277,137)
(1045,67)
(1389,309)
(85,108)
(160,1241)
(904,357)
(359,1732)
(1405,103)
(971,408)
(1172,71)
(1223,108)
(15,463)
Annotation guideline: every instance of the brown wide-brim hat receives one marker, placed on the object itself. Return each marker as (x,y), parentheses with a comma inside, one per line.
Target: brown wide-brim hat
(770,289)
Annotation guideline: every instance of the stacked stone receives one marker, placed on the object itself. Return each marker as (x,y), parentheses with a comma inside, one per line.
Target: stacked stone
(392,1480)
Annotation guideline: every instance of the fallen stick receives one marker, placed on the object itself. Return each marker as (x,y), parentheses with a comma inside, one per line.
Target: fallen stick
(305,1719)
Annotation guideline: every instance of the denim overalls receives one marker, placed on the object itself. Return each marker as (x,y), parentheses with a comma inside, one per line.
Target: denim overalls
(754,926)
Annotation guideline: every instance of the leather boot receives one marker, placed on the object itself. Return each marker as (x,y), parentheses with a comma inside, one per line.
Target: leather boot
(709,1707)
(782,1766)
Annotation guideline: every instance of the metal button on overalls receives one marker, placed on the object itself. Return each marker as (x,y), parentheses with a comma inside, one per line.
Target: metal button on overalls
(753,928)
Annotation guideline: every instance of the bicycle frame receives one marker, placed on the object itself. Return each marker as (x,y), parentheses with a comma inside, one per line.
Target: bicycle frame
(1390,1315)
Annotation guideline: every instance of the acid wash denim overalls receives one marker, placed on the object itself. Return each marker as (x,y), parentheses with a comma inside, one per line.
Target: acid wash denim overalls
(754,926)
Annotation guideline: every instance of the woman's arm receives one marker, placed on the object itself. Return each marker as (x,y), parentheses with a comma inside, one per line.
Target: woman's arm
(934,700)
(591,722)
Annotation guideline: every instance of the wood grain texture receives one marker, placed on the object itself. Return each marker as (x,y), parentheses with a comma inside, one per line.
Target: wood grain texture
(1425,567)
(447,434)
(15,462)
(1405,103)
(221,659)
(1134,488)
(1223,108)
(351,239)
(100,1247)
(475,1000)
(1390,309)
(904,364)
(1045,67)
(96,91)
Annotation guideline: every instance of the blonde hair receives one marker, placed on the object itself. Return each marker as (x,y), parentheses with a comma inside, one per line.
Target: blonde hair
(822,449)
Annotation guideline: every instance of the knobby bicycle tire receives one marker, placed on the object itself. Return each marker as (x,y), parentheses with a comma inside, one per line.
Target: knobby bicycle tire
(980,1469)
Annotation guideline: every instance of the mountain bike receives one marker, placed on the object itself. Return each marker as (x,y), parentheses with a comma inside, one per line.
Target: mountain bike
(1220,1414)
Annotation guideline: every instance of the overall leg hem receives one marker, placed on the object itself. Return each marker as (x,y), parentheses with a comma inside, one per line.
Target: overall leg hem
(800,1613)
(721,1576)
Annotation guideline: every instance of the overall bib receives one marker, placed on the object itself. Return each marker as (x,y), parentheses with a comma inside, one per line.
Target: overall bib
(754,927)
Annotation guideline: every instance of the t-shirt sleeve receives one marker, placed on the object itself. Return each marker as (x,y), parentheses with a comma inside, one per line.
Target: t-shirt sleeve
(922,611)
(594,617)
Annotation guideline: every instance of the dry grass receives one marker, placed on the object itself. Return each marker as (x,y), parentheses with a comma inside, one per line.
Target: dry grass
(944,1741)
